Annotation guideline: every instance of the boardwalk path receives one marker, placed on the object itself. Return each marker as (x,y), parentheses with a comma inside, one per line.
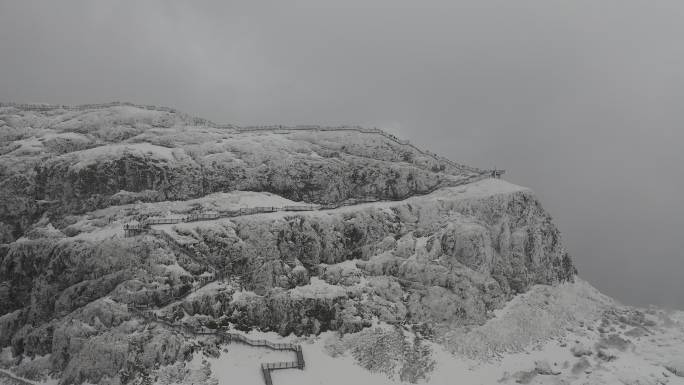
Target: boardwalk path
(132,229)
(187,248)
(228,337)
(8,378)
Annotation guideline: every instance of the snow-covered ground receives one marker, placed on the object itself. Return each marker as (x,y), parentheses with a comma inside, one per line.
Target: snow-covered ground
(596,341)
(530,341)
(568,334)
(241,365)
(553,361)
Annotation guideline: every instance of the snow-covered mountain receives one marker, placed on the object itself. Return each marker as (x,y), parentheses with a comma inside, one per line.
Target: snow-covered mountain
(127,229)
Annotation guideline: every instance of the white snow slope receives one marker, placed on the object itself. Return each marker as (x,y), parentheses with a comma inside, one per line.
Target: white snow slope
(570,334)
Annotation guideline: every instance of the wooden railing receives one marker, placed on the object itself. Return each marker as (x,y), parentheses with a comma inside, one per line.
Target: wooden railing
(144,226)
(229,337)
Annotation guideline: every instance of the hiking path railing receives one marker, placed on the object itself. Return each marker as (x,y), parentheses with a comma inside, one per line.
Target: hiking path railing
(132,229)
(229,337)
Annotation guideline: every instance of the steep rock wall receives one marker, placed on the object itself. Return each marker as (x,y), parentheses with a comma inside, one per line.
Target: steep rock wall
(452,257)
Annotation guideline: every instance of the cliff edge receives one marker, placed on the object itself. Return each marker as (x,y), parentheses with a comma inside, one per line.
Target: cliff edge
(288,230)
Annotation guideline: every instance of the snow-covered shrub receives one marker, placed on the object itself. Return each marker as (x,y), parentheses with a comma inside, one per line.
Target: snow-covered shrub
(542,313)
(417,362)
(377,350)
(390,351)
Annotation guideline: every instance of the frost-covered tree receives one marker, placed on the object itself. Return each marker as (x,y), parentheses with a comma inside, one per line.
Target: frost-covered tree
(417,361)
(392,353)
(378,350)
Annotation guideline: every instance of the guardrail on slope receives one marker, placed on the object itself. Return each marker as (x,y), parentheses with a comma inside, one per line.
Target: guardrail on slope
(279,129)
(132,229)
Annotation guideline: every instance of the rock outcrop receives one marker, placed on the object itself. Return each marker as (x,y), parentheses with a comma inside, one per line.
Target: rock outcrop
(69,280)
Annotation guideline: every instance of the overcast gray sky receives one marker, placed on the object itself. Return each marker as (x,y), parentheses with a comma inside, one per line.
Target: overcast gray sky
(581,100)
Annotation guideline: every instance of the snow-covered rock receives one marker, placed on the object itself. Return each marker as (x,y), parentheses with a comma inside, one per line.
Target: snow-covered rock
(65,160)
(418,277)
(676,366)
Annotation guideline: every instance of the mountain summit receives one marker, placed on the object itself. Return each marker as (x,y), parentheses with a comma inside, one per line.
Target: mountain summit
(141,244)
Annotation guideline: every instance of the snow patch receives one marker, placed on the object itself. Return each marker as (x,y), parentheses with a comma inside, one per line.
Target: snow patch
(317,288)
(149,151)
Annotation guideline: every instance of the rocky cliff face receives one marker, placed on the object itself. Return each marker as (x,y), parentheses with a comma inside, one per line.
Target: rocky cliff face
(70,178)
(447,258)
(64,161)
